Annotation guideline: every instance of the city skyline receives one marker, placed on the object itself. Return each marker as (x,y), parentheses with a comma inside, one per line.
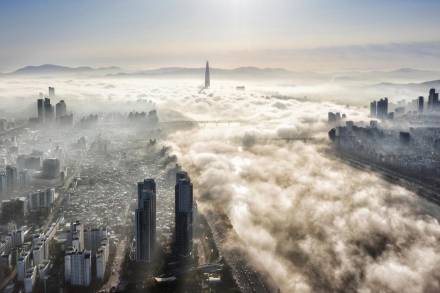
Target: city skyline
(296,35)
(220,146)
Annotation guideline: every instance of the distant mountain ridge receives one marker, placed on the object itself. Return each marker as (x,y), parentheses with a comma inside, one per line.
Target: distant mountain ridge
(248,71)
(398,76)
(59,69)
(422,87)
(113,71)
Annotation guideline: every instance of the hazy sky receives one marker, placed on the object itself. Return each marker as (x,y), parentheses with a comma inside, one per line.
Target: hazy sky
(296,34)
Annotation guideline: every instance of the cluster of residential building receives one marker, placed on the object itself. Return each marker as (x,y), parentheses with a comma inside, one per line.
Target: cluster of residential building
(150,118)
(13,239)
(33,158)
(381,109)
(335,117)
(13,178)
(88,121)
(17,209)
(41,199)
(13,210)
(27,168)
(409,144)
(32,257)
(47,113)
(84,245)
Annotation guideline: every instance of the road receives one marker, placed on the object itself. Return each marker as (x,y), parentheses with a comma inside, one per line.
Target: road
(417,186)
(115,269)
(247,277)
(6,281)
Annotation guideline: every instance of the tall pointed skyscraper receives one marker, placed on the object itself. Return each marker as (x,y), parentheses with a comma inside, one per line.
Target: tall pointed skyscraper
(207,76)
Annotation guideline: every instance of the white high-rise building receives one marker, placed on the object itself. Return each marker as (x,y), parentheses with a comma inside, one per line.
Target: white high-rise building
(76,235)
(30,279)
(102,258)
(23,263)
(40,249)
(78,268)
(38,253)
(68,266)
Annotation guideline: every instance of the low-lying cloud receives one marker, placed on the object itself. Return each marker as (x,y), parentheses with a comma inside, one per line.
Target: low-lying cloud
(312,222)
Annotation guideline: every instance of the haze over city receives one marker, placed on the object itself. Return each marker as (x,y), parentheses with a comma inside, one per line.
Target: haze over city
(219,146)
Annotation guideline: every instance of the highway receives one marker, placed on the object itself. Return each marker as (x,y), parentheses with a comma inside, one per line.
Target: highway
(247,277)
(6,280)
(419,187)
(115,267)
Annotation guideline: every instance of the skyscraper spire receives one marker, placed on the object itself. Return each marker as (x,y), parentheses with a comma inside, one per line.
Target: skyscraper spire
(207,76)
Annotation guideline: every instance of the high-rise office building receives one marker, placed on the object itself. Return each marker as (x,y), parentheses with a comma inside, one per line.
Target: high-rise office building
(183,214)
(373,109)
(433,101)
(420,103)
(207,76)
(382,108)
(436,102)
(51,168)
(51,92)
(40,110)
(60,108)
(48,110)
(145,216)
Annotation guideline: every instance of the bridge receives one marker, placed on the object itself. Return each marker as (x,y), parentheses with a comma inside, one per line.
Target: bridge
(300,138)
(210,268)
(201,122)
(262,140)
